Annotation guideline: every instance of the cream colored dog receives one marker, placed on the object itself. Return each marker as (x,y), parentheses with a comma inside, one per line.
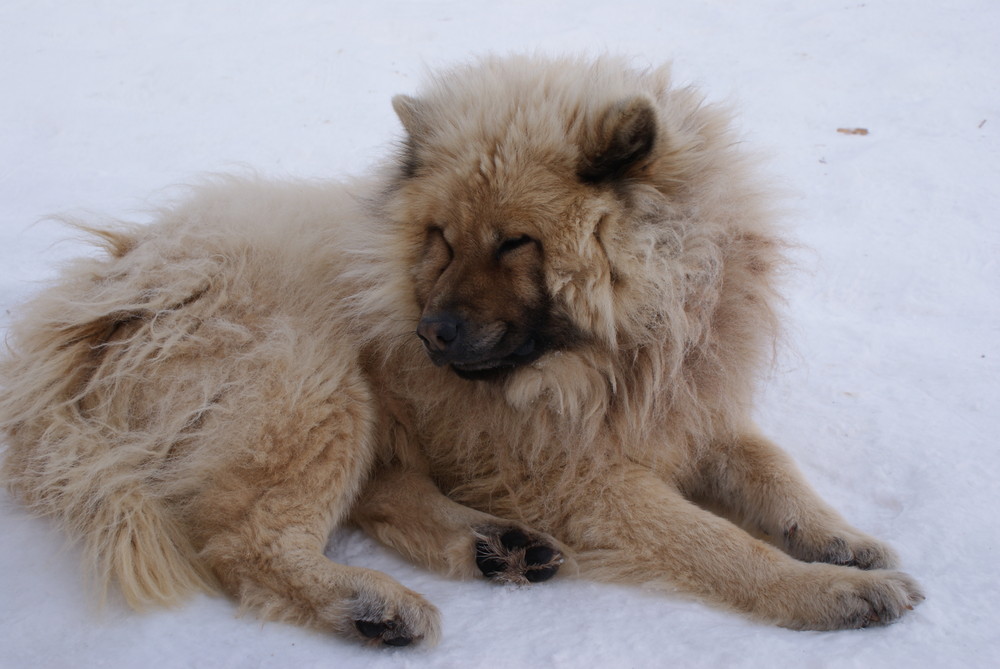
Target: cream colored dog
(531,341)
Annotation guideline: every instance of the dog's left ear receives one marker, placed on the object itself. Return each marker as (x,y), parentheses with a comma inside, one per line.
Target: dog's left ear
(622,140)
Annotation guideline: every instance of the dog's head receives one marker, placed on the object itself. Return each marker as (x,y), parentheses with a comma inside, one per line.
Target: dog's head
(521,187)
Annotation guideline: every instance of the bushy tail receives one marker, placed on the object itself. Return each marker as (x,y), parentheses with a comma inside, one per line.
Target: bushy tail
(73,450)
(132,542)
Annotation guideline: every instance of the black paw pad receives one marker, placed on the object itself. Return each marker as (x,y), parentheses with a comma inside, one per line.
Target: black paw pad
(516,556)
(537,555)
(384,631)
(489,564)
(542,563)
(514,539)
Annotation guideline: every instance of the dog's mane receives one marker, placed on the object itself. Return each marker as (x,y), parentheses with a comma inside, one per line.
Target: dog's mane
(679,323)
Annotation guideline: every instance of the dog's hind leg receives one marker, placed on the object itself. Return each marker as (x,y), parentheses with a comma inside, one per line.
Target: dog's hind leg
(642,530)
(758,482)
(263,522)
(405,510)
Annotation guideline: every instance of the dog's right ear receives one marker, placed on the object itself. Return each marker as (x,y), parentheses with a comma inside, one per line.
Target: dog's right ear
(408,110)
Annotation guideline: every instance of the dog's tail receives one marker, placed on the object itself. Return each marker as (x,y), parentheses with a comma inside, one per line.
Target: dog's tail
(134,543)
(68,417)
(127,536)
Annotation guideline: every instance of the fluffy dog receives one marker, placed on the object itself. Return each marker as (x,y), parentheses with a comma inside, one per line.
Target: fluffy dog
(530,341)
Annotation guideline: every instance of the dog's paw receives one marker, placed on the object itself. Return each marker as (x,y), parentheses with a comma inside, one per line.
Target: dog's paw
(513,555)
(843,546)
(399,619)
(389,632)
(880,598)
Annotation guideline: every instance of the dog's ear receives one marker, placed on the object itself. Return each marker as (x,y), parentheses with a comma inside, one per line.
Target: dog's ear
(408,110)
(621,141)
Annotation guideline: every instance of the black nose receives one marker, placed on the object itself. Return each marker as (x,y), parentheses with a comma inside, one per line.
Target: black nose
(439,332)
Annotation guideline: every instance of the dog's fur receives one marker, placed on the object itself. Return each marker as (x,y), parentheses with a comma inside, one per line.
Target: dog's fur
(589,267)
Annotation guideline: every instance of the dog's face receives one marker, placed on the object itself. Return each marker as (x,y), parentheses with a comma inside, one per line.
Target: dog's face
(499,222)
(480,275)
(484,303)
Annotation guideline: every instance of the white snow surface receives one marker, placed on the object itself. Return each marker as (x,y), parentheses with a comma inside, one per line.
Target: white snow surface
(886,392)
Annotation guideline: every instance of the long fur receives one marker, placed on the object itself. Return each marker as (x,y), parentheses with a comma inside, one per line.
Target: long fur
(678,293)
(203,402)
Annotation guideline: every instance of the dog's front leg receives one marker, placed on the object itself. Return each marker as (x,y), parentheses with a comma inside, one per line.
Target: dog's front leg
(642,530)
(404,510)
(758,482)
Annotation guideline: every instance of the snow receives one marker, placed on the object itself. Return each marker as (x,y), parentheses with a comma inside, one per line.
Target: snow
(887,394)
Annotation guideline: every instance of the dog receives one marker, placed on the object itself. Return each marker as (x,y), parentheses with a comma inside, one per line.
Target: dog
(527,343)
